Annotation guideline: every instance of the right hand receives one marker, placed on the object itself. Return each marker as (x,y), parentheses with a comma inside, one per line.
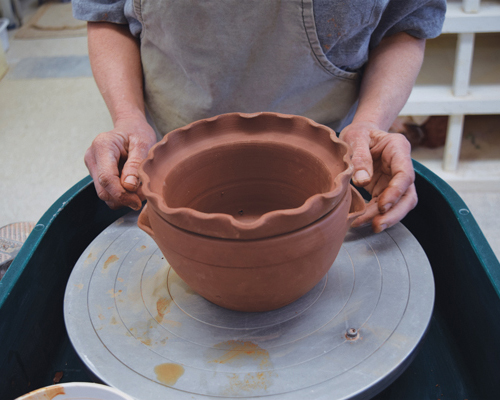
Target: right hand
(113,161)
(383,166)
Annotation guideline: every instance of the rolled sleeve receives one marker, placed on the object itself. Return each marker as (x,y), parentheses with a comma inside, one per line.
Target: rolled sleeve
(421,19)
(347,31)
(117,12)
(100,11)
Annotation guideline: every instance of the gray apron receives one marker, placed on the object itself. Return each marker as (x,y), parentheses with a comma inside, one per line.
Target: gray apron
(207,57)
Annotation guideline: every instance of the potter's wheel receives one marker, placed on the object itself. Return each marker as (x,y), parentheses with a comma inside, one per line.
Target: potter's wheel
(138,327)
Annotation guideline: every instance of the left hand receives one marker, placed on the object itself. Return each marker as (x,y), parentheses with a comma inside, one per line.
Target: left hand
(383,166)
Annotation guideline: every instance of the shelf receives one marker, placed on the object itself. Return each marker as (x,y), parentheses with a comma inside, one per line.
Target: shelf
(487,19)
(439,60)
(440,100)
(461,71)
(433,91)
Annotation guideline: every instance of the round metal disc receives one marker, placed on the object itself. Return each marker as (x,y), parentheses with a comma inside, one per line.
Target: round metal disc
(138,327)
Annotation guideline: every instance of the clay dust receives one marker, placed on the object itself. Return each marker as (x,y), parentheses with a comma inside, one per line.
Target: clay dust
(162,307)
(237,351)
(110,260)
(90,259)
(237,354)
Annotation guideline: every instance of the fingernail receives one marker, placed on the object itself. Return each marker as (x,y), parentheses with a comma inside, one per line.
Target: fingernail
(361,176)
(131,180)
(386,207)
(134,206)
(383,227)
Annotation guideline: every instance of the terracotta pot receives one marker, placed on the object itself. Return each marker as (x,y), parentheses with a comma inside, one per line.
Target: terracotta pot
(259,274)
(250,209)
(246,176)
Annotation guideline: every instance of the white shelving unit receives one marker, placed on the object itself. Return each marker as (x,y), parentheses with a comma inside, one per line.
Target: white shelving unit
(461,71)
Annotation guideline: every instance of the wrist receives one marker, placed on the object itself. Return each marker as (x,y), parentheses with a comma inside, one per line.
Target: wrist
(128,114)
(135,125)
(372,117)
(357,130)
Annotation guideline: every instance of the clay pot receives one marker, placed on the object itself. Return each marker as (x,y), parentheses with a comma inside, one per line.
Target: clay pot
(246,176)
(250,209)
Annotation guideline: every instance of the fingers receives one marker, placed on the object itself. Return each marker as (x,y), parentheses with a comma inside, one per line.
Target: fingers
(383,220)
(397,212)
(102,160)
(361,155)
(382,164)
(395,190)
(395,162)
(138,151)
(370,213)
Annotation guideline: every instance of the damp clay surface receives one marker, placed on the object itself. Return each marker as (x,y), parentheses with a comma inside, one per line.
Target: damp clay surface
(246,180)
(247,176)
(259,274)
(250,210)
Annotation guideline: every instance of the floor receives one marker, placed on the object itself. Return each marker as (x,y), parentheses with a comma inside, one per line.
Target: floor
(50,111)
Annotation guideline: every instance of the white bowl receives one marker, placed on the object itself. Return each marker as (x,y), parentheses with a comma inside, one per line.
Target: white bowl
(76,390)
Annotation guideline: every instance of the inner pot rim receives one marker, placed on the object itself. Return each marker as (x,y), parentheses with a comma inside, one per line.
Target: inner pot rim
(333,184)
(189,219)
(247,225)
(350,215)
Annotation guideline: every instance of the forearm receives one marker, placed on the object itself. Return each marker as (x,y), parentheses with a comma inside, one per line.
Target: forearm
(114,157)
(382,161)
(116,64)
(388,79)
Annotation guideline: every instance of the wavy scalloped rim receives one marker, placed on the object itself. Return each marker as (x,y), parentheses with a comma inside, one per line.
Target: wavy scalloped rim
(156,200)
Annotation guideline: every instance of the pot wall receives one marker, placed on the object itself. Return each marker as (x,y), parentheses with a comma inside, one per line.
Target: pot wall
(255,275)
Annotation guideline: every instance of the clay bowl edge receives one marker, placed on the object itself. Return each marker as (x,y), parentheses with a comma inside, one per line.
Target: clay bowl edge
(269,224)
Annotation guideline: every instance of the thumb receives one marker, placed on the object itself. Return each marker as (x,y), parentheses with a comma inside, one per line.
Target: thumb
(361,158)
(130,171)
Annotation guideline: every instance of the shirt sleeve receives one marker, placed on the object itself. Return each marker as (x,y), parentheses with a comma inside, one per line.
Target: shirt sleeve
(348,30)
(422,19)
(115,11)
(100,10)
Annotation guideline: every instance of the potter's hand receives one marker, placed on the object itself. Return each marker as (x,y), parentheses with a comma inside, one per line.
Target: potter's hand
(382,165)
(113,160)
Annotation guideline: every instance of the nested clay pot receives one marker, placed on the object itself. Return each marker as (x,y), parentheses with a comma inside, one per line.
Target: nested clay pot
(250,209)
